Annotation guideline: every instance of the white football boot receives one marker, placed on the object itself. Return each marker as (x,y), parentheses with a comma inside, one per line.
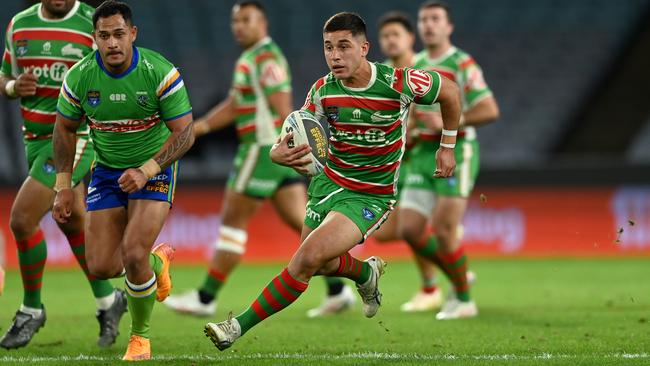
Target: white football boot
(223,334)
(334,304)
(369,291)
(456,309)
(189,303)
(423,301)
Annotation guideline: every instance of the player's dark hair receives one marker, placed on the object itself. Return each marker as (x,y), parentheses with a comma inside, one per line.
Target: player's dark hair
(438,4)
(346,21)
(256,4)
(396,17)
(110,8)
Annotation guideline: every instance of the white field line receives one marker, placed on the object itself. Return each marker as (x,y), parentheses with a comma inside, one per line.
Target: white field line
(345,356)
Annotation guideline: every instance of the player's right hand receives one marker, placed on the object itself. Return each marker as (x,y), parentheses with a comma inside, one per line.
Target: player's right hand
(62,208)
(294,157)
(26,84)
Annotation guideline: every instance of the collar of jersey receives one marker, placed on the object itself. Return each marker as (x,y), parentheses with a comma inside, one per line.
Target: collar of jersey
(72,12)
(134,63)
(442,57)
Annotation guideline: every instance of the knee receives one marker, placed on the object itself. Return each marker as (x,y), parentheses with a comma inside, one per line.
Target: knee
(135,259)
(102,268)
(446,231)
(309,261)
(22,225)
(412,234)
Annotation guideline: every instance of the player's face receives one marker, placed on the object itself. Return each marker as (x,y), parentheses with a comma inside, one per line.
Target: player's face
(395,40)
(248,25)
(114,38)
(58,8)
(344,52)
(434,26)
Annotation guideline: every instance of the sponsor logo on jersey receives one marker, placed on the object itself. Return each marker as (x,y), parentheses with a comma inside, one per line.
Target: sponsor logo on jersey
(91,189)
(161,177)
(418,81)
(142,98)
(157,186)
(117,97)
(378,117)
(21,47)
(148,64)
(373,135)
(93,98)
(47,48)
(69,50)
(56,71)
(367,214)
(332,113)
(390,78)
(356,114)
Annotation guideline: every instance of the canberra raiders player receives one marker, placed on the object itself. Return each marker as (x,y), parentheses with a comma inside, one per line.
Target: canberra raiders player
(42,43)
(365,105)
(259,101)
(445,201)
(141,123)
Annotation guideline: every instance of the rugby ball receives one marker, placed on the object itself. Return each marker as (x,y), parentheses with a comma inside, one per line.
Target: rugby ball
(307,130)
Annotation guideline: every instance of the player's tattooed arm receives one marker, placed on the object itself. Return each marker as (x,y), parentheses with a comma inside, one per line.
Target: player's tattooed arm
(178,143)
(64,140)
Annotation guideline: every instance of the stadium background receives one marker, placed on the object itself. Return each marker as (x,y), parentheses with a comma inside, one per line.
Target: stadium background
(565,170)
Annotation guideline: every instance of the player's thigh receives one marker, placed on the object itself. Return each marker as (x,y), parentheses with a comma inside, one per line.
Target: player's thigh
(414,210)
(32,202)
(103,233)
(289,201)
(337,234)
(145,221)
(388,230)
(238,209)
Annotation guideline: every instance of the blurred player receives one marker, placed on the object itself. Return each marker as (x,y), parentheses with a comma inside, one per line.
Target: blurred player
(260,100)
(141,124)
(365,104)
(445,201)
(42,43)
(396,40)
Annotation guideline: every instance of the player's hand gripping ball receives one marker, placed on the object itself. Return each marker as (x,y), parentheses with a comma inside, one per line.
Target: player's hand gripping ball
(306,144)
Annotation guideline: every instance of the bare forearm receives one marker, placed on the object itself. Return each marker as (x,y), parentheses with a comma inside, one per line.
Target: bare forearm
(482,113)
(217,118)
(64,140)
(450,110)
(3,86)
(175,147)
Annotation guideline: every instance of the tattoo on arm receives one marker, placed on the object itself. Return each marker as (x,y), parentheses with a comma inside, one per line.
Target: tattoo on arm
(176,148)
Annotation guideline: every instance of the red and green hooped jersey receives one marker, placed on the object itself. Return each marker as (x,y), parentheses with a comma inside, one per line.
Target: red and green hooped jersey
(367,132)
(260,71)
(125,112)
(461,68)
(49,48)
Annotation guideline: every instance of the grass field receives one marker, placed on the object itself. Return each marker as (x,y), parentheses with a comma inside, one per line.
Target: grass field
(532,312)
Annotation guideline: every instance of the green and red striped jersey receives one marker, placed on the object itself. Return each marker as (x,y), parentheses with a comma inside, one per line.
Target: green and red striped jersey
(458,66)
(260,71)
(367,128)
(48,48)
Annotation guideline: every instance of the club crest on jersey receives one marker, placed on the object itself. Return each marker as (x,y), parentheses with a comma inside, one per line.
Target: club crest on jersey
(142,98)
(332,113)
(21,47)
(93,98)
(419,82)
(367,214)
(48,167)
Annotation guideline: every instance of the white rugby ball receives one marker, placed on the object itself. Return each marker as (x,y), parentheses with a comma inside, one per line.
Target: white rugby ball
(307,130)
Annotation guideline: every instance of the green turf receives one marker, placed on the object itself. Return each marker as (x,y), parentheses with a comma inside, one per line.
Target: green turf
(549,312)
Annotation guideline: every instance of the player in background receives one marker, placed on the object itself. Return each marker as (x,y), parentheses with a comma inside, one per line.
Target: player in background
(140,121)
(445,201)
(42,43)
(365,105)
(260,99)
(396,40)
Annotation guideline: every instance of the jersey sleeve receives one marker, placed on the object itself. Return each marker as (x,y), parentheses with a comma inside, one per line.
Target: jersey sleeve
(273,73)
(69,103)
(8,59)
(313,103)
(422,87)
(172,95)
(474,87)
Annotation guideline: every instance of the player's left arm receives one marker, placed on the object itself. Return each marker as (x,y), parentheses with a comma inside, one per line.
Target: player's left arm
(177,144)
(482,107)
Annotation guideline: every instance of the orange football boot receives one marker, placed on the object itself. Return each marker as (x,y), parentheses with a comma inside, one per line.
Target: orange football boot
(138,349)
(164,281)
